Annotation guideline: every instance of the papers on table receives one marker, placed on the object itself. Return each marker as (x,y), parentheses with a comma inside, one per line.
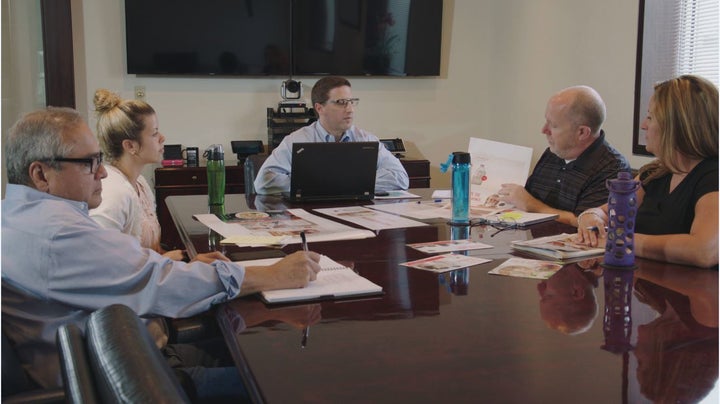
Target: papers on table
(416,209)
(399,194)
(526,268)
(442,209)
(370,219)
(435,247)
(287,224)
(334,281)
(445,262)
(494,164)
(561,247)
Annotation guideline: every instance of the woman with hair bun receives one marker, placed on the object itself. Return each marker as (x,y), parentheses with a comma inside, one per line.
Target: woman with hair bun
(130,139)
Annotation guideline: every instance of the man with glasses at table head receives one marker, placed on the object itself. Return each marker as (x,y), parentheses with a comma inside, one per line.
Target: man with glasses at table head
(335,107)
(59,265)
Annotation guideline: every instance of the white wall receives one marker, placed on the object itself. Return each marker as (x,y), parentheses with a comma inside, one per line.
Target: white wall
(502,59)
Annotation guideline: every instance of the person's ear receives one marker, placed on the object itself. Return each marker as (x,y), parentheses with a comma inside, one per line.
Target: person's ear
(130,146)
(38,175)
(584,132)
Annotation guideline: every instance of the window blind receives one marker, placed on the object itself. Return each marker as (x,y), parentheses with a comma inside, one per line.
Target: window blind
(697,45)
(676,37)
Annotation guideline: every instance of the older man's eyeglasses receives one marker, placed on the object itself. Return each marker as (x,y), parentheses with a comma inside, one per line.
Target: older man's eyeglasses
(92,162)
(344,102)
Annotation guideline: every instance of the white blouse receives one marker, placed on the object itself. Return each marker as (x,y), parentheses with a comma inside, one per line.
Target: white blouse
(128,209)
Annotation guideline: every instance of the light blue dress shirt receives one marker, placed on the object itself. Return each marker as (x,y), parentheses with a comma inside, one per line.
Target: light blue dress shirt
(274,175)
(58,265)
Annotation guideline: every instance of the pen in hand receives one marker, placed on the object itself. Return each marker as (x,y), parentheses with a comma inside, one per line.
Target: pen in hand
(306,330)
(304,241)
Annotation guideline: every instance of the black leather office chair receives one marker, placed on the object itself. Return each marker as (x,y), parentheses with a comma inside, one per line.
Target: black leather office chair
(255,161)
(123,362)
(16,384)
(75,367)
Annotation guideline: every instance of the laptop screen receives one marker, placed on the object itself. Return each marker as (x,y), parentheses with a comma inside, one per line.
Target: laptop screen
(333,171)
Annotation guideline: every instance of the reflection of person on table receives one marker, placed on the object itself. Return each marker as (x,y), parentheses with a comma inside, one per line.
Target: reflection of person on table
(567,300)
(677,352)
(677,216)
(248,313)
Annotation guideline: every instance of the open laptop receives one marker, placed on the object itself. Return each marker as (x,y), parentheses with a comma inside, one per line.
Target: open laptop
(333,171)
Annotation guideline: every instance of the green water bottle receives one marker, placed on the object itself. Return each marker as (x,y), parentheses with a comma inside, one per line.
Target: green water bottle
(215,174)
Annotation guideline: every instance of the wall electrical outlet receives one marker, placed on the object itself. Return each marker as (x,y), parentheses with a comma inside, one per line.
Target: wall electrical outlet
(140,93)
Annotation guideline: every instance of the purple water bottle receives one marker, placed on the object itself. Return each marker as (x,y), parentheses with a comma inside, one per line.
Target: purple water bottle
(622,211)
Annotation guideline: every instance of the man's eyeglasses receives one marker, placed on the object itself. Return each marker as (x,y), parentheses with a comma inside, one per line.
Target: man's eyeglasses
(92,162)
(344,102)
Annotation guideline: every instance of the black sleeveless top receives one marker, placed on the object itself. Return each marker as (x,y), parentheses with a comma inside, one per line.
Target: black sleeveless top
(662,212)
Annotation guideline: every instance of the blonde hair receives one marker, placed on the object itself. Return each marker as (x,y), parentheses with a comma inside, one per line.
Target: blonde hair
(118,120)
(686,110)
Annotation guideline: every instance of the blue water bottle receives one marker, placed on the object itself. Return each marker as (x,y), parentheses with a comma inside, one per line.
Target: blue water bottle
(215,174)
(460,188)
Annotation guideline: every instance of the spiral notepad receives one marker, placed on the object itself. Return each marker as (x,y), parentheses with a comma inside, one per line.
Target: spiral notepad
(334,281)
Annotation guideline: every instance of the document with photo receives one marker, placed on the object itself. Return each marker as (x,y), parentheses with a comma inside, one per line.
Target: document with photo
(286,224)
(561,247)
(445,262)
(493,164)
(369,219)
(444,246)
(526,268)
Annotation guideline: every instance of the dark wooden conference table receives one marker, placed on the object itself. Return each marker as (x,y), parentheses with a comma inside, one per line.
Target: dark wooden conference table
(645,335)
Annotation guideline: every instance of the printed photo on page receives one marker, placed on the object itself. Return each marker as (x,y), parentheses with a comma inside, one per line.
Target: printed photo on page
(286,224)
(443,246)
(445,262)
(493,164)
(526,268)
(369,219)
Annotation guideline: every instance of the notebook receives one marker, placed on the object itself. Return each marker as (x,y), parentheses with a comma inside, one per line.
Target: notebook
(334,281)
(333,171)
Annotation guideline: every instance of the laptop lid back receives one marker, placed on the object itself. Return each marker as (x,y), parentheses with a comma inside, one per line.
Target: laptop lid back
(333,171)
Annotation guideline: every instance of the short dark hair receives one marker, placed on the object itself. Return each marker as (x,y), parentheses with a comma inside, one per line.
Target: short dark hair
(321,89)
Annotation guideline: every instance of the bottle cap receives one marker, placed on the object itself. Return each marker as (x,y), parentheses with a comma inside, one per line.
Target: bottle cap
(461,158)
(214,152)
(624,183)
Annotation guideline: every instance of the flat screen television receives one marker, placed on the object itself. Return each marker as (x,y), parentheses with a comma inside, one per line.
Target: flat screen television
(208,37)
(283,37)
(367,37)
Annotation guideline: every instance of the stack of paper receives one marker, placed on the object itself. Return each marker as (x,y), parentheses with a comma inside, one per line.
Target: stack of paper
(286,225)
(334,281)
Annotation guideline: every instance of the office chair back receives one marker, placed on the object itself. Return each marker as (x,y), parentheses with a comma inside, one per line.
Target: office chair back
(127,365)
(253,164)
(74,365)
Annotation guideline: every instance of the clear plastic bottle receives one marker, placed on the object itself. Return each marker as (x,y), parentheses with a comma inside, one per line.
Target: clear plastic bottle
(215,174)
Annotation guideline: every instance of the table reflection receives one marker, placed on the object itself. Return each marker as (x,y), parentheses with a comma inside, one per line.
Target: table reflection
(442,338)
(568,302)
(677,352)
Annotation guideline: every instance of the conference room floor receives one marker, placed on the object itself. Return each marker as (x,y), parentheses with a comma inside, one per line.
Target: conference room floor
(646,334)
